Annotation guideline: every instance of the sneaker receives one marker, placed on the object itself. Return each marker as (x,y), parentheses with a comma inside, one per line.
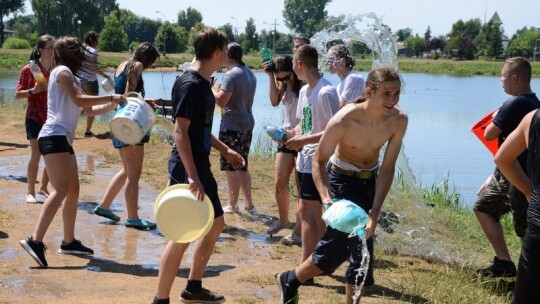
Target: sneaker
(291,239)
(205,296)
(106,213)
(75,248)
(288,296)
(36,250)
(140,224)
(88,134)
(499,268)
(276,227)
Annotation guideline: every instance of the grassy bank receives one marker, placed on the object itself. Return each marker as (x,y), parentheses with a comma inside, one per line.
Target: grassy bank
(15,59)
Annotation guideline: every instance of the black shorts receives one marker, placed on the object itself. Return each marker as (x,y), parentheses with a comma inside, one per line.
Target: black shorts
(54,144)
(117,144)
(239,142)
(308,190)
(32,129)
(178,175)
(500,197)
(336,247)
(283,149)
(90,87)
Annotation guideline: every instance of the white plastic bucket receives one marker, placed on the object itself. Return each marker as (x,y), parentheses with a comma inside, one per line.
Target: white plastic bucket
(180,216)
(107,84)
(133,120)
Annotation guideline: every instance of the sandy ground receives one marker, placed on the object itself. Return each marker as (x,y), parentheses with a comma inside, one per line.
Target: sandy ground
(126,261)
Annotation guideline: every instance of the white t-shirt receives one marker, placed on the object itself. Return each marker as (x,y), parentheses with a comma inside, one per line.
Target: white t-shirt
(62,113)
(290,105)
(351,87)
(315,108)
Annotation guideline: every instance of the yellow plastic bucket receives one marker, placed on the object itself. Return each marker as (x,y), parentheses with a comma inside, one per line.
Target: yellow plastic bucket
(180,216)
(133,120)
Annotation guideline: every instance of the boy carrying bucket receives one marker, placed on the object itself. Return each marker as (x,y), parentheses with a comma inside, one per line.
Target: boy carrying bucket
(356,175)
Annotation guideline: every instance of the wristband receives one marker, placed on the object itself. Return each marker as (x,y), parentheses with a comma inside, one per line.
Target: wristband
(30,92)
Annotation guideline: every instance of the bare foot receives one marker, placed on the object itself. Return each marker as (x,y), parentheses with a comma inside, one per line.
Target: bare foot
(44,192)
(30,199)
(249,207)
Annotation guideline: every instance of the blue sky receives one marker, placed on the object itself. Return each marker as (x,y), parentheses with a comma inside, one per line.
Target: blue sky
(398,14)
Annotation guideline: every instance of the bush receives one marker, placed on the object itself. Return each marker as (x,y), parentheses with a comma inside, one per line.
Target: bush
(16,43)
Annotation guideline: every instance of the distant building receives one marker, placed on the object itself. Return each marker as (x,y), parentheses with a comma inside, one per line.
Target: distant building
(504,39)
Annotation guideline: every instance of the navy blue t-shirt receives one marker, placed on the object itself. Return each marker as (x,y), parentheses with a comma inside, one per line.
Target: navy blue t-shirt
(510,115)
(192,98)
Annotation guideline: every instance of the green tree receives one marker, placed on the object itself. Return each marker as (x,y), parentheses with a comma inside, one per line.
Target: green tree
(461,39)
(416,44)
(427,34)
(489,41)
(305,16)
(227,28)
(249,37)
(189,18)
(8,7)
(171,38)
(113,38)
(137,28)
(403,34)
(359,48)
(524,42)
(23,27)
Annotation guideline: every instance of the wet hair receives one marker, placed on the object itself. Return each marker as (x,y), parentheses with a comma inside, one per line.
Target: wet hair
(208,41)
(303,38)
(308,55)
(69,51)
(338,52)
(234,51)
(285,64)
(376,78)
(40,44)
(91,39)
(520,66)
(146,54)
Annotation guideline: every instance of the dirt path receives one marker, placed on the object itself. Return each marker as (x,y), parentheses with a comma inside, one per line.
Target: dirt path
(126,261)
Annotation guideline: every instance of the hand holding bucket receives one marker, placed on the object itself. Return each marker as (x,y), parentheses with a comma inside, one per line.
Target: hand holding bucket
(180,216)
(132,120)
(479,128)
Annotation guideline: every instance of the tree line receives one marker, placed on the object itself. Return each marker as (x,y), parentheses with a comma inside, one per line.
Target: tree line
(122,30)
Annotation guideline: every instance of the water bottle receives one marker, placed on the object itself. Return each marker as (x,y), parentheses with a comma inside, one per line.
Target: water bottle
(266,57)
(36,72)
(276,133)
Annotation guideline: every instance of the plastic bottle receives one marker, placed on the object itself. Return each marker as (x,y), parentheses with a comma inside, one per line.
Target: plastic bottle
(266,56)
(36,72)
(276,133)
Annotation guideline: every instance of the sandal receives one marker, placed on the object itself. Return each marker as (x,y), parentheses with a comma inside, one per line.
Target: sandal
(106,213)
(140,224)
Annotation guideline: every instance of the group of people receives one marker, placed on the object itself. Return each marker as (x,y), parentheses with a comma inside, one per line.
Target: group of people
(329,159)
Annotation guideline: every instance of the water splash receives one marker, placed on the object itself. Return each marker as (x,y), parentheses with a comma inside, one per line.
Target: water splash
(367,28)
(362,271)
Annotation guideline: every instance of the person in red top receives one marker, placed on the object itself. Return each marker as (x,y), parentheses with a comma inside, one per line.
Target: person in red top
(36,111)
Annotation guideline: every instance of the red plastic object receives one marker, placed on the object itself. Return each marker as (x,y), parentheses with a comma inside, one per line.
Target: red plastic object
(478,130)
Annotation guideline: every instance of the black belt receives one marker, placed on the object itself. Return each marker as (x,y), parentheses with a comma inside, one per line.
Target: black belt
(362,174)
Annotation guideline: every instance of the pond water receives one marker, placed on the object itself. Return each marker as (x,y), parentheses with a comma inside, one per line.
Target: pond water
(442,109)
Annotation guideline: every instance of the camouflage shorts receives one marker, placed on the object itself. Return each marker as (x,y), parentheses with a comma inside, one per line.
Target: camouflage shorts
(500,197)
(237,141)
